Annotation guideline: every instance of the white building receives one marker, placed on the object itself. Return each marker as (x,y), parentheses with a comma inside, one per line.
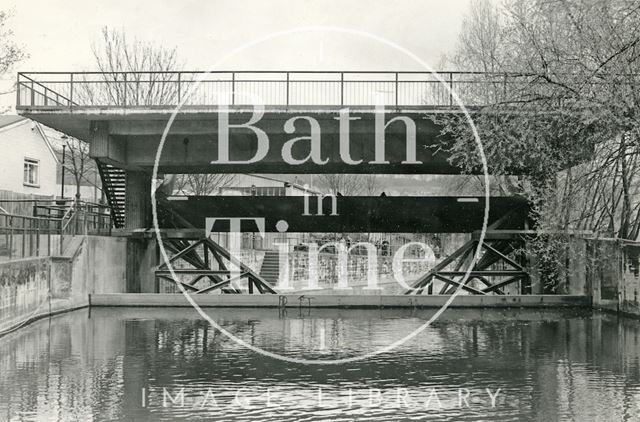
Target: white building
(28,161)
(260,185)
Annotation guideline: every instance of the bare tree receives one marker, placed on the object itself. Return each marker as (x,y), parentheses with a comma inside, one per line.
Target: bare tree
(372,184)
(479,47)
(10,52)
(138,73)
(352,184)
(77,162)
(203,184)
(132,72)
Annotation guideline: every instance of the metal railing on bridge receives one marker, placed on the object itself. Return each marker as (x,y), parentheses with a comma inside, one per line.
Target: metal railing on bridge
(146,89)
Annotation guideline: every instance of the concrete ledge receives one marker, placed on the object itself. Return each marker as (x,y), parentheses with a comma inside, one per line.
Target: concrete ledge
(613,306)
(340,301)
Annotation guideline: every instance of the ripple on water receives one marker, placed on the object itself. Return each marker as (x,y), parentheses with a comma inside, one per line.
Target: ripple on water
(548,365)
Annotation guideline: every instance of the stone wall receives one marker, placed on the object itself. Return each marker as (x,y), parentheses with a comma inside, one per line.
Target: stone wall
(24,289)
(613,275)
(31,288)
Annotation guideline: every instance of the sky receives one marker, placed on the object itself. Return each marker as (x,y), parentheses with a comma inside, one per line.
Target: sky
(58,35)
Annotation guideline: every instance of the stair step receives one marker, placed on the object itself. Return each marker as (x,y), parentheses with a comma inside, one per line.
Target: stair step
(114,184)
(270,269)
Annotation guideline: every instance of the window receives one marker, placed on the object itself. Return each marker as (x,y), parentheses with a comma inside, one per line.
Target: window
(31,174)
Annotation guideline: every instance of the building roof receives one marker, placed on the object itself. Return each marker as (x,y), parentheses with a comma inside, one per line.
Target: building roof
(9,122)
(284,180)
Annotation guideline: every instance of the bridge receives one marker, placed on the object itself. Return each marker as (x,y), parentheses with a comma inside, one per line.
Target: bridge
(312,122)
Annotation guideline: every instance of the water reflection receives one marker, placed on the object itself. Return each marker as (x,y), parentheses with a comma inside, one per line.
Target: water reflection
(126,364)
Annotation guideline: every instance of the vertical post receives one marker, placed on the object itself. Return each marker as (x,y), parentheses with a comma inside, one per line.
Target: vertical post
(124,94)
(18,102)
(287,89)
(33,94)
(10,237)
(450,89)
(61,236)
(64,148)
(70,91)
(30,237)
(179,90)
(84,218)
(341,88)
(233,88)
(397,90)
(95,186)
(37,237)
(24,237)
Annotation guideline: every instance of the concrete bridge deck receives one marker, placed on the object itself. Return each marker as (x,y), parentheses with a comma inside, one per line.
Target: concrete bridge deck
(123,115)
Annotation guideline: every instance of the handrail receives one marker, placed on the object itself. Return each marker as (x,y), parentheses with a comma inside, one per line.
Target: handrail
(29,217)
(408,72)
(67,91)
(36,200)
(41,84)
(24,236)
(273,72)
(67,216)
(304,87)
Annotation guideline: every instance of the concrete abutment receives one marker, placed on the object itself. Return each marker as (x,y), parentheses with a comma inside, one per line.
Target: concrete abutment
(603,274)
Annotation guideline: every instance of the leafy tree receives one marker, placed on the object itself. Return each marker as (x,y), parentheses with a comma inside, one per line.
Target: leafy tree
(559,106)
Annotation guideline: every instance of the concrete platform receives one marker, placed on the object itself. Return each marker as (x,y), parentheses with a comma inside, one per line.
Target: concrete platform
(340,301)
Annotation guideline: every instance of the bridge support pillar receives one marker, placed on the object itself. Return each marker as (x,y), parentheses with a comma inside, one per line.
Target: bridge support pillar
(137,201)
(142,258)
(141,252)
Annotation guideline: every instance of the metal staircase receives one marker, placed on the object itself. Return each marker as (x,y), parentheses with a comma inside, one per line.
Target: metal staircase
(113,185)
(270,269)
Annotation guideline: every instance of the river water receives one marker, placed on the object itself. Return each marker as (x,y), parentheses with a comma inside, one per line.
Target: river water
(162,364)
